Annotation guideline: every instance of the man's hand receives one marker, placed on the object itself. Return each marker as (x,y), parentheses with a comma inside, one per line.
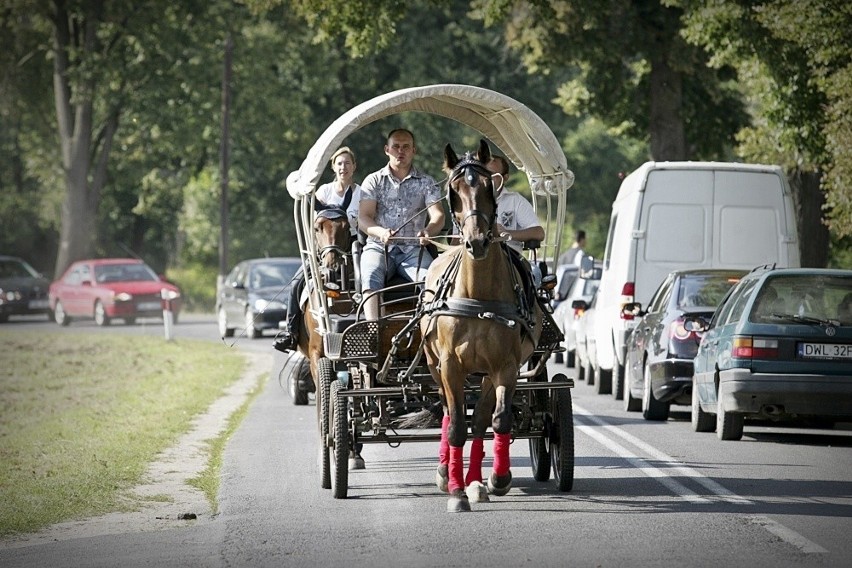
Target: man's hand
(501,232)
(424,237)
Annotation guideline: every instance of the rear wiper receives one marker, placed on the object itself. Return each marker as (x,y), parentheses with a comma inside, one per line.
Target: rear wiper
(805,319)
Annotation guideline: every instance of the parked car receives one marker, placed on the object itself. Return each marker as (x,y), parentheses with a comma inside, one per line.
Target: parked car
(585,340)
(566,315)
(676,215)
(658,371)
(108,288)
(23,290)
(566,274)
(254,295)
(779,347)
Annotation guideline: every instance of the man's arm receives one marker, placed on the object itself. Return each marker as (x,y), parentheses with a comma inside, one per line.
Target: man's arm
(367,221)
(436,220)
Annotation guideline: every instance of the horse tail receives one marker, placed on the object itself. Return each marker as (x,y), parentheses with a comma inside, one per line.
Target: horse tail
(429,417)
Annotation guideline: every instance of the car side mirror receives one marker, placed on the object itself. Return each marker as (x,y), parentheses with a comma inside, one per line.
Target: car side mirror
(633,309)
(580,305)
(695,324)
(587,267)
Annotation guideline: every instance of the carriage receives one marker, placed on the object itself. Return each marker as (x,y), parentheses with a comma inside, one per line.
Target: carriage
(371,377)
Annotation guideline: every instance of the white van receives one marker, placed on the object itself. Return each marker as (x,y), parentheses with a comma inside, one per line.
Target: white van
(675,215)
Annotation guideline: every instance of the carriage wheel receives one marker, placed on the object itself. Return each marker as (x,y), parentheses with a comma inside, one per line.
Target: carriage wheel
(326,377)
(562,436)
(539,452)
(339,422)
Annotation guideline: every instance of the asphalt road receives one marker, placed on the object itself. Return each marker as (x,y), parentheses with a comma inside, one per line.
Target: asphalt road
(645,494)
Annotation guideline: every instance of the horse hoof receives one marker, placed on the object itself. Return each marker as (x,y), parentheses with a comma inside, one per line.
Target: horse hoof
(458,503)
(442,478)
(499,486)
(476,492)
(356,462)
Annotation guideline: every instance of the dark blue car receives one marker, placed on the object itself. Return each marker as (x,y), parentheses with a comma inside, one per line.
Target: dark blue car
(779,347)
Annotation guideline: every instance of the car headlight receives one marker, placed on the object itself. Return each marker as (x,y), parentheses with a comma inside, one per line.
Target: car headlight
(169,294)
(275,305)
(260,305)
(123,297)
(10,295)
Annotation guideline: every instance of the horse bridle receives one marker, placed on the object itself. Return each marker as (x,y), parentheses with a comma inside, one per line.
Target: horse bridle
(327,249)
(470,168)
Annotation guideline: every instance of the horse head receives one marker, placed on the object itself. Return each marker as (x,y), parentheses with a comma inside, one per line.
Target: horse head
(332,236)
(470,193)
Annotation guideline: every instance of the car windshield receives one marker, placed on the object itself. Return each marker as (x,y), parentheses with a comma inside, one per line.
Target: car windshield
(16,269)
(808,298)
(272,274)
(124,273)
(705,290)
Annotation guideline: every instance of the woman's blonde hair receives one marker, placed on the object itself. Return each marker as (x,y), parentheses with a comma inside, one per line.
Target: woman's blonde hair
(343,150)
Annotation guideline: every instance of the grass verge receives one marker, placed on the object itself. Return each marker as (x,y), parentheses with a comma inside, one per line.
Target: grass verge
(82,415)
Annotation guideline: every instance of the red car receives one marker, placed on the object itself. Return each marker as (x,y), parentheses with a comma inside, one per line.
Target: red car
(109,288)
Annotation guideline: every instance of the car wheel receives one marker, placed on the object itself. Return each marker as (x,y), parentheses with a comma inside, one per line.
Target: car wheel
(571,359)
(581,370)
(617,381)
(652,409)
(251,331)
(631,403)
(222,320)
(701,421)
(603,378)
(590,372)
(59,315)
(101,317)
(729,425)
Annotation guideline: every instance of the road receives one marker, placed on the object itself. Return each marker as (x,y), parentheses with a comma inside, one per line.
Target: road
(645,494)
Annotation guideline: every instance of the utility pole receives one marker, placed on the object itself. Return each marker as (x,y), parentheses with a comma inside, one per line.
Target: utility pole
(224,155)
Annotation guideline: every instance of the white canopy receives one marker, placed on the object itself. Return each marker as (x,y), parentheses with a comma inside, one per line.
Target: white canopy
(520,134)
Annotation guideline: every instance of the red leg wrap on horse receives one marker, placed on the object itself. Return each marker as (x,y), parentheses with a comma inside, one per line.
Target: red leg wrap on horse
(474,470)
(456,469)
(444,448)
(501,453)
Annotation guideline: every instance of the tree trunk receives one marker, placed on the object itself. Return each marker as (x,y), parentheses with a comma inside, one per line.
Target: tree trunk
(813,235)
(665,125)
(84,157)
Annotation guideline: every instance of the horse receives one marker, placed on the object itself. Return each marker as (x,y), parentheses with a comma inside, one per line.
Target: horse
(479,321)
(333,241)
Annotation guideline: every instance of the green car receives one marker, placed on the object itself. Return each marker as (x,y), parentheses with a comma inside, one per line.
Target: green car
(779,347)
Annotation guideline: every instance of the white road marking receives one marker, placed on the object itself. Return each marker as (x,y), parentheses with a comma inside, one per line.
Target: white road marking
(672,465)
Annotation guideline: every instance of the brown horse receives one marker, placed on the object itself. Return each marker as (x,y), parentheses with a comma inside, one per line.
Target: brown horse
(333,241)
(478,322)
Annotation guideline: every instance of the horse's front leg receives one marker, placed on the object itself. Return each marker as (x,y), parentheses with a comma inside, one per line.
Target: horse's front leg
(475,489)
(500,480)
(452,379)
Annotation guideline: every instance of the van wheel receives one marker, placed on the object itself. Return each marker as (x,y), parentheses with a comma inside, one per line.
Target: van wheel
(617,381)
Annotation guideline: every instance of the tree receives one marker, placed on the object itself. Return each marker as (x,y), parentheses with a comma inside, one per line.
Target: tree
(635,71)
(793,60)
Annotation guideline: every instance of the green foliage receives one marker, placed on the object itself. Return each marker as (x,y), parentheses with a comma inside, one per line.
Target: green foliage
(793,60)
(197,282)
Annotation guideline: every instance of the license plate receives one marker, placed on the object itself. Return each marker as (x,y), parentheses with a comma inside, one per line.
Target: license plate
(824,351)
(38,304)
(148,306)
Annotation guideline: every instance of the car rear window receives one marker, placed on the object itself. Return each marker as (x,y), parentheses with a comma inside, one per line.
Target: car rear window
(824,297)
